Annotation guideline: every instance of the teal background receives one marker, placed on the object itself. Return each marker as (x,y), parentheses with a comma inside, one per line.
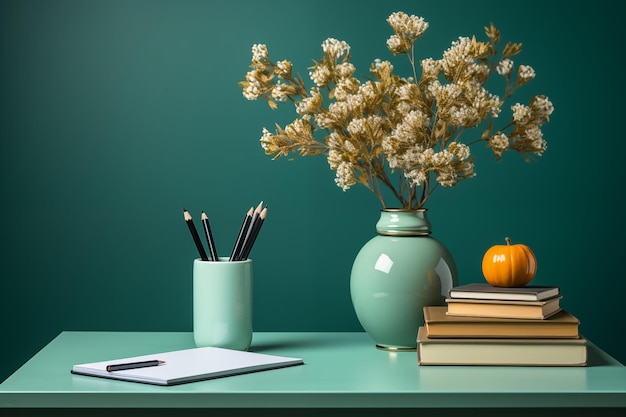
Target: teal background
(116,115)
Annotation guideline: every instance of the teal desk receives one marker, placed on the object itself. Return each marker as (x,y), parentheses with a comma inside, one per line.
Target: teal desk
(343,373)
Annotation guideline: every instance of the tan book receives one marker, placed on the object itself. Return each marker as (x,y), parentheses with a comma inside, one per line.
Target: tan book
(501,352)
(439,324)
(504,309)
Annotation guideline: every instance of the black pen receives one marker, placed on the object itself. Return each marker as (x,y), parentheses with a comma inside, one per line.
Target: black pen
(194,234)
(133,365)
(209,236)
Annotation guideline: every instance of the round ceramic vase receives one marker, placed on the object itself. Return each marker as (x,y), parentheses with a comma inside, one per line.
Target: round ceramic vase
(396,274)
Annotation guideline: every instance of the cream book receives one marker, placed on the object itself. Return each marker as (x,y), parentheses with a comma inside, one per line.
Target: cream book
(503,352)
(187,365)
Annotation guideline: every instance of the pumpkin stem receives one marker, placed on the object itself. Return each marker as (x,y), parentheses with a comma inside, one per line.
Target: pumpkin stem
(508,241)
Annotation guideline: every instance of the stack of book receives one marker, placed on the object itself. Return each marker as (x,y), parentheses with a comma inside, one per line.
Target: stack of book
(486,325)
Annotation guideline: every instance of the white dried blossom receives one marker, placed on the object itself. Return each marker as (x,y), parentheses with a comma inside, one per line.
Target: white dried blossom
(393,161)
(354,103)
(460,150)
(482,100)
(379,68)
(335,48)
(534,133)
(280,91)
(457,53)
(346,88)
(334,158)
(298,128)
(410,26)
(411,158)
(251,92)
(253,88)
(356,127)
(525,73)
(443,158)
(344,176)
(367,91)
(542,106)
(465,170)
(430,68)
(417,177)
(310,104)
(504,67)
(259,52)
(404,91)
(521,113)
(349,147)
(446,177)
(464,116)
(284,68)
(334,140)
(413,127)
(444,94)
(321,75)
(266,139)
(499,143)
(529,141)
(344,70)
(394,43)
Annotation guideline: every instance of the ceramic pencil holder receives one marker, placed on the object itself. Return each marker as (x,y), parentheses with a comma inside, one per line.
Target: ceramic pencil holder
(222,303)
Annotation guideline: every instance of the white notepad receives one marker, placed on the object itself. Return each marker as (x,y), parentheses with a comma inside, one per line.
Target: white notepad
(188,365)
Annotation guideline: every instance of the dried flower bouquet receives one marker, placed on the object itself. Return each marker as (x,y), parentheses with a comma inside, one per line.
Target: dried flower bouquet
(406,127)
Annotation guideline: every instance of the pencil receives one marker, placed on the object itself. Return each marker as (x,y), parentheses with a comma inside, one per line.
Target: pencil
(194,235)
(242,234)
(133,365)
(255,232)
(253,220)
(209,236)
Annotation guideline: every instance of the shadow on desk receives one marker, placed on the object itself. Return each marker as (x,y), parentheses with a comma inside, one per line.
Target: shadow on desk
(290,412)
(595,357)
(287,341)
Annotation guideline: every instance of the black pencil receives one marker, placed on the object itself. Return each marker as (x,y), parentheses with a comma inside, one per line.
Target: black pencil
(209,236)
(242,234)
(133,365)
(248,234)
(255,232)
(194,235)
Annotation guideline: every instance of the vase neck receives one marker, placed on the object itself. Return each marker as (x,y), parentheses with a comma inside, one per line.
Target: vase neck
(403,222)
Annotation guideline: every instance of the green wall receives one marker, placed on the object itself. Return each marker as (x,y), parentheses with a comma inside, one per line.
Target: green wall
(115,115)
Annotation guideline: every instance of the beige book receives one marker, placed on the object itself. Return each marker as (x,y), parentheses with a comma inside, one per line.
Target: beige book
(440,324)
(501,352)
(504,309)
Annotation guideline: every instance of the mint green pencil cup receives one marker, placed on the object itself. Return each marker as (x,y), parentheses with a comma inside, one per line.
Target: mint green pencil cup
(222,303)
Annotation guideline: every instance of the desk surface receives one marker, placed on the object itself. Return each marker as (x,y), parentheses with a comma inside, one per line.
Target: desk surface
(341,370)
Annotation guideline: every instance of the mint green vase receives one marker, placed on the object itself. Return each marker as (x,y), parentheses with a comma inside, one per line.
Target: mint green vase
(397,273)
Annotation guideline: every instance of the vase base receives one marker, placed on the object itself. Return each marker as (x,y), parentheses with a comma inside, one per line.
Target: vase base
(396,349)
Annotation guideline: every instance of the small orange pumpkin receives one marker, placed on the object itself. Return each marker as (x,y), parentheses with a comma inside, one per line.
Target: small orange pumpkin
(509,265)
